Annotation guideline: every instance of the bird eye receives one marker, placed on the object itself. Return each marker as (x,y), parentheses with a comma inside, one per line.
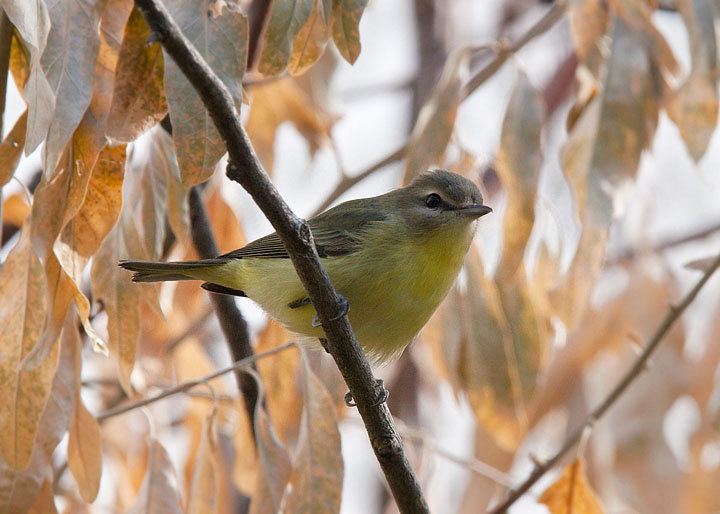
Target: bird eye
(433,201)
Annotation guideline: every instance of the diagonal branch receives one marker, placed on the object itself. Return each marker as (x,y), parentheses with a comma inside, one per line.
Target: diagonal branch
(245,168)
(243,364)
(634,372)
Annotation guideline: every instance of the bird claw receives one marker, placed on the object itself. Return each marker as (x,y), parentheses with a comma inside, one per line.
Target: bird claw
(344,309)
(381,397)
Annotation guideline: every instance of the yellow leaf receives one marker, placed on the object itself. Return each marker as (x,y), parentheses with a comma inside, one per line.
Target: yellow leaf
(309,44)
(571,494)
(318,464)
(19,64)
(286,20)
(23,295)
(138,100)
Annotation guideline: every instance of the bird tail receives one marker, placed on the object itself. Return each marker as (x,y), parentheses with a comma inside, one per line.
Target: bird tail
(151,271)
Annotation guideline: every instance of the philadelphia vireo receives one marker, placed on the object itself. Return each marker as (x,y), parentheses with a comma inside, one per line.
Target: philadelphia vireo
(394,257)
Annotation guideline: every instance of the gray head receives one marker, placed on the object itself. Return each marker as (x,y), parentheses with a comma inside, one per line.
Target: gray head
(437,198)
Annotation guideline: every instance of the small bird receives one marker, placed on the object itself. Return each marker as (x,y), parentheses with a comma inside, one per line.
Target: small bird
(393,257)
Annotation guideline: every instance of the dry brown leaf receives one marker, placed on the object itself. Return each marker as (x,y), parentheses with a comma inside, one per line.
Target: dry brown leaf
(19,489)
(518,165)
(45,502)
(588,22)
(280,381)
(284,22)
(203,488)
(345,25)
(84,450)
(32,21)
(311,41)
(70,47)
(11,149)
(317,465)
(113,286)
(23,295)
(694,106)
(273,476)
(474,348)
(279,101)
(435,123)
(158,493)
(222,42)
(138,100)
(571,493)
(602,155)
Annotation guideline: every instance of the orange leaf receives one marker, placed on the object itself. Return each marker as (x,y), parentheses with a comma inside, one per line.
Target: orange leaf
(11,149)
(571,494)
(85,451)
(158,493)
(138,100)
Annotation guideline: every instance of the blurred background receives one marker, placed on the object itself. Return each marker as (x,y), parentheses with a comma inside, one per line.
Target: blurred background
(590,128)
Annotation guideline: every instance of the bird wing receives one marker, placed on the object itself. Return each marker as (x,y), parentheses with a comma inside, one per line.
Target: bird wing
(336,232)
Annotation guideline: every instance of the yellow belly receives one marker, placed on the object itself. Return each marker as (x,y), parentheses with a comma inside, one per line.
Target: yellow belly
(392,292)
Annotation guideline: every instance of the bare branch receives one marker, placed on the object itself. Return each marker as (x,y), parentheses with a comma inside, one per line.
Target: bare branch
(245,363)
(634,372)
(246,169)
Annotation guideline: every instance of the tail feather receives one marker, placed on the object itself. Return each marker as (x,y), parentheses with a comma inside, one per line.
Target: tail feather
(151,271)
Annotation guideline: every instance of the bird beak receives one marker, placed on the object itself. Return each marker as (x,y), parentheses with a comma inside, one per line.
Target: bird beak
(475,211)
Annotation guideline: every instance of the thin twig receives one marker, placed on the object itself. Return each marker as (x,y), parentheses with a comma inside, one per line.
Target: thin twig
(245,363)
(552,16)
(634,372)
(245,168)
(630,253)
(196,325)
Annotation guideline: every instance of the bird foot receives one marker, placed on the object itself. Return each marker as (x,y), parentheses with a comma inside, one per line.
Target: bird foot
(382,395)
(344,309)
